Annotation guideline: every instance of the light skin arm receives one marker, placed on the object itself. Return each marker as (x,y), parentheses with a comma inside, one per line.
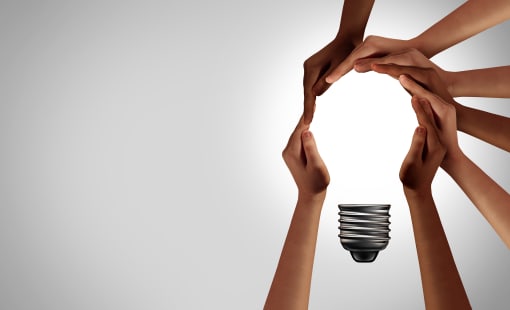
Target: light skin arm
(441,282)
(355,14)
(489,127)
(490,199)
(290,288)
(487,82)
(469,19)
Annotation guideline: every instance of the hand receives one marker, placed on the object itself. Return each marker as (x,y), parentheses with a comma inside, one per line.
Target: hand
(305,163)
(426,152)
(317,67)
(442,112)
(373,46)
(409,57)
(428,77)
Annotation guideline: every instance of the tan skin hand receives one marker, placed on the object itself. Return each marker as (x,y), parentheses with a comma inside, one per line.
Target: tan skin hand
(410,58)
(425,83)
(305,163)
(290,288)
(441,282)
(486,126)
(372,46)
(426,151)
(443,111)
(428,77)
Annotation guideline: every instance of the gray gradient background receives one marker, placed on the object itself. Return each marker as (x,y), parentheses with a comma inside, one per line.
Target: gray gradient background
(140,158)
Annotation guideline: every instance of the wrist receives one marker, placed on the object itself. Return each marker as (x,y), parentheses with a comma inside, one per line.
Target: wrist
(349,38)
(451,80)
(452,160)
(312,199)
(417,43)
(417,193)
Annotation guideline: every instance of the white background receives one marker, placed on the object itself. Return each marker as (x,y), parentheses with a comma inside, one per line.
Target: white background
(140,163)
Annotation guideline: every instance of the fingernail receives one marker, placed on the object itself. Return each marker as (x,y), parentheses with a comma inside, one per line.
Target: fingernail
(307,134)
(420,130)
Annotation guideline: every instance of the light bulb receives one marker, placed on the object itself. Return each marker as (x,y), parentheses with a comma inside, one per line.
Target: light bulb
(364,229)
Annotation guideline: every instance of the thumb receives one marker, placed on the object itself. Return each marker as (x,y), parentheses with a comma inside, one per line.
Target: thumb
(417,144)
(310,147)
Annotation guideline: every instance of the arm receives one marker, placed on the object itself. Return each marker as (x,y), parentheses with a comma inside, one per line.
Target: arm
(441,282)
(290,288)
(489,127)
(355,14)
(492,201)
(469,19)
(489,82)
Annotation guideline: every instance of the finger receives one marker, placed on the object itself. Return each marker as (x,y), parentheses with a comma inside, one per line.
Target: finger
(411,85)
(424,113)
(309,79)
(309,108)
(365,64)
(346,65)
(401,58)
(415,153)
(437,103)
(426,119)
(397,70)
(310,148)
(294,143)
(321,86)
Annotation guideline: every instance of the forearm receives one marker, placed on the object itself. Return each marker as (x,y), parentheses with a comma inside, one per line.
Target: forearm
(290,288)
(355,14)
(471,18)
(489,127)
(488,82)
(442,285)
(490,199)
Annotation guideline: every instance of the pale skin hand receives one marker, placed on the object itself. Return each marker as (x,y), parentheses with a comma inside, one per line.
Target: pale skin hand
(490,199)
(355,14)
(441,282)
(469,19)
(290,288)
(487,82)
(489,127)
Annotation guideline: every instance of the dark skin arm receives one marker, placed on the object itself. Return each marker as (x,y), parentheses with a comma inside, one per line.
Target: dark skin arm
(355,14)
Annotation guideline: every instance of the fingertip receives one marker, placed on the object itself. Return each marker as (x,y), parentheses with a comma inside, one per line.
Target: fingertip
(307,134)
(377,67)
(330,79)
(420,130)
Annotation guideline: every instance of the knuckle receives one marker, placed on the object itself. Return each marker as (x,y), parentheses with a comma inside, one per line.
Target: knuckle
(285,154)
(412,50)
